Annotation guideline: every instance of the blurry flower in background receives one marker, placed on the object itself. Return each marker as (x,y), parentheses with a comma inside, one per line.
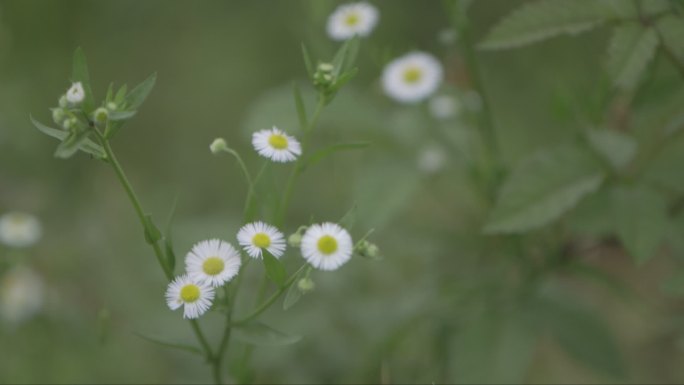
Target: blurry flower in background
(19,229)
(196,297)
(432,159)
(412,77)
(276,145)
(349,20)
(213,262)
(327,246)
(444,107)
(21,295)
(258,236)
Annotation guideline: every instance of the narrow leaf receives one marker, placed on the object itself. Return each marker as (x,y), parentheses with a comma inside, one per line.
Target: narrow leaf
(293,293)
(87,146)
(120,95)
(138,94)
(170,344)
(275,270)
(71,144)
(80,73)
(630,50)
(121,115)
(301,109)
(257,333)
(307,61)
(152,233)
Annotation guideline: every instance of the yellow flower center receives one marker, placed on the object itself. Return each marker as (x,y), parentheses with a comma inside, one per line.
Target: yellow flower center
(213,265)
(261,240)
(412,75)
(277,141)
(190,293)
(327,244)
(352,19)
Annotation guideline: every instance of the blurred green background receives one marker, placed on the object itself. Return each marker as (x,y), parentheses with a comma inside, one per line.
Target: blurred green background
(225,69)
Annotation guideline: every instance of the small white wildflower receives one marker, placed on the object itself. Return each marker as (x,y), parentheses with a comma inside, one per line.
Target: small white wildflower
(258,236)
(444,106)
(195,296)
(412,77)
(327,246)
(21,295)
(76,93)
(19,229)
(349,20)
(213,262)
(276,145)
(432,159)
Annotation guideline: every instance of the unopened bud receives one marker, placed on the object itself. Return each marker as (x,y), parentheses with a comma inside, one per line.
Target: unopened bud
(218,145)
(295,240)
(58,115)
(63,103)
(101,115)
(306,285)
(111,106)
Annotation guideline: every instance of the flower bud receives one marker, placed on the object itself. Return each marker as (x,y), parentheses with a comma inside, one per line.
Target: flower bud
(58,115)
(368,250)
(218,145)
(63,103)
(69,123)
(306,285)
(295,240)
(75,94)
(111,106)
(324,78)
(100,116)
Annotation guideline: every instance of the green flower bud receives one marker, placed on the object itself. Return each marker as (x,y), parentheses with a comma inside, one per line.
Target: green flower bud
(306,285)
(218,145)
(324,78)
(63,103)
(295,240)
(58,115)
(368,250)
(111,106)
(70,123)
(100,116)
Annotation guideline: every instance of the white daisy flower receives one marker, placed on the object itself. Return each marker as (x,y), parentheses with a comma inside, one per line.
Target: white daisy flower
(19,229)
(76,93)
(21,295)
(276,145)
(195,296)
(349,20)
(213,262)
(327,246)
(412,77)
(258,236)
(444,107)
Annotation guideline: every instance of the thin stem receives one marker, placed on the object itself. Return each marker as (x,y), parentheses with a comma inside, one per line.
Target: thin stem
(218,358)
(264,306)
(248,178)
(296,171)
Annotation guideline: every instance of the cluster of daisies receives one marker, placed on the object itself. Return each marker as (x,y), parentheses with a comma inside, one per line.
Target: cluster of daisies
(410,78)
(213,263)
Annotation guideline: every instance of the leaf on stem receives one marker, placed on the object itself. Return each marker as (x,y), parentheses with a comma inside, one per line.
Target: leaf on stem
(630,50)
(301,108)
(138,94)
(152,233)
(294,294)
(257,333)
(327,151)
(80,73)
(275,270)
(171,344)
(87,146)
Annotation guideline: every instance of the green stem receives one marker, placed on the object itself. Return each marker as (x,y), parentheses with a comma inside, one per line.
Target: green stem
(296,171)
(218,358)
(264,306)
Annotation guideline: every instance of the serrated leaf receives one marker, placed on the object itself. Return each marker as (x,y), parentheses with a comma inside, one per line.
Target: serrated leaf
(640,219)
(630,50)
(257,333)
(275,270)
(137,96)
(671,29)
(171,344)
(543,187)
(328,151)
(616,147)
(87,146)
(540,20)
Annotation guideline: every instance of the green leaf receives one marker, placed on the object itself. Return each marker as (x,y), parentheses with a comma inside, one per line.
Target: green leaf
(630,50)
(120,95)
(349,218)
(293,293)
(138,94)
(275,270)
(640,218)
(307,61)
(87,146)
(616,147)
(171,344)
(582,334)
(152,233)
(71,144)
(671,29)
(542,188)
(540,20)
(674,285)
(121,115)
(301,108)
(327,151)
(80,73)
(257,333)
(110,93)
(345,56)
(168,239)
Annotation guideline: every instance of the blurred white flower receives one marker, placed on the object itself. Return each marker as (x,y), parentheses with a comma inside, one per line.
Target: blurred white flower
(327,246)
(257,236)
(412,77)
(349,20)
(444,106)
(196,297)
(431,159)
(276,145)
(19,229)
(213,262)
(21,295)
(76,93)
